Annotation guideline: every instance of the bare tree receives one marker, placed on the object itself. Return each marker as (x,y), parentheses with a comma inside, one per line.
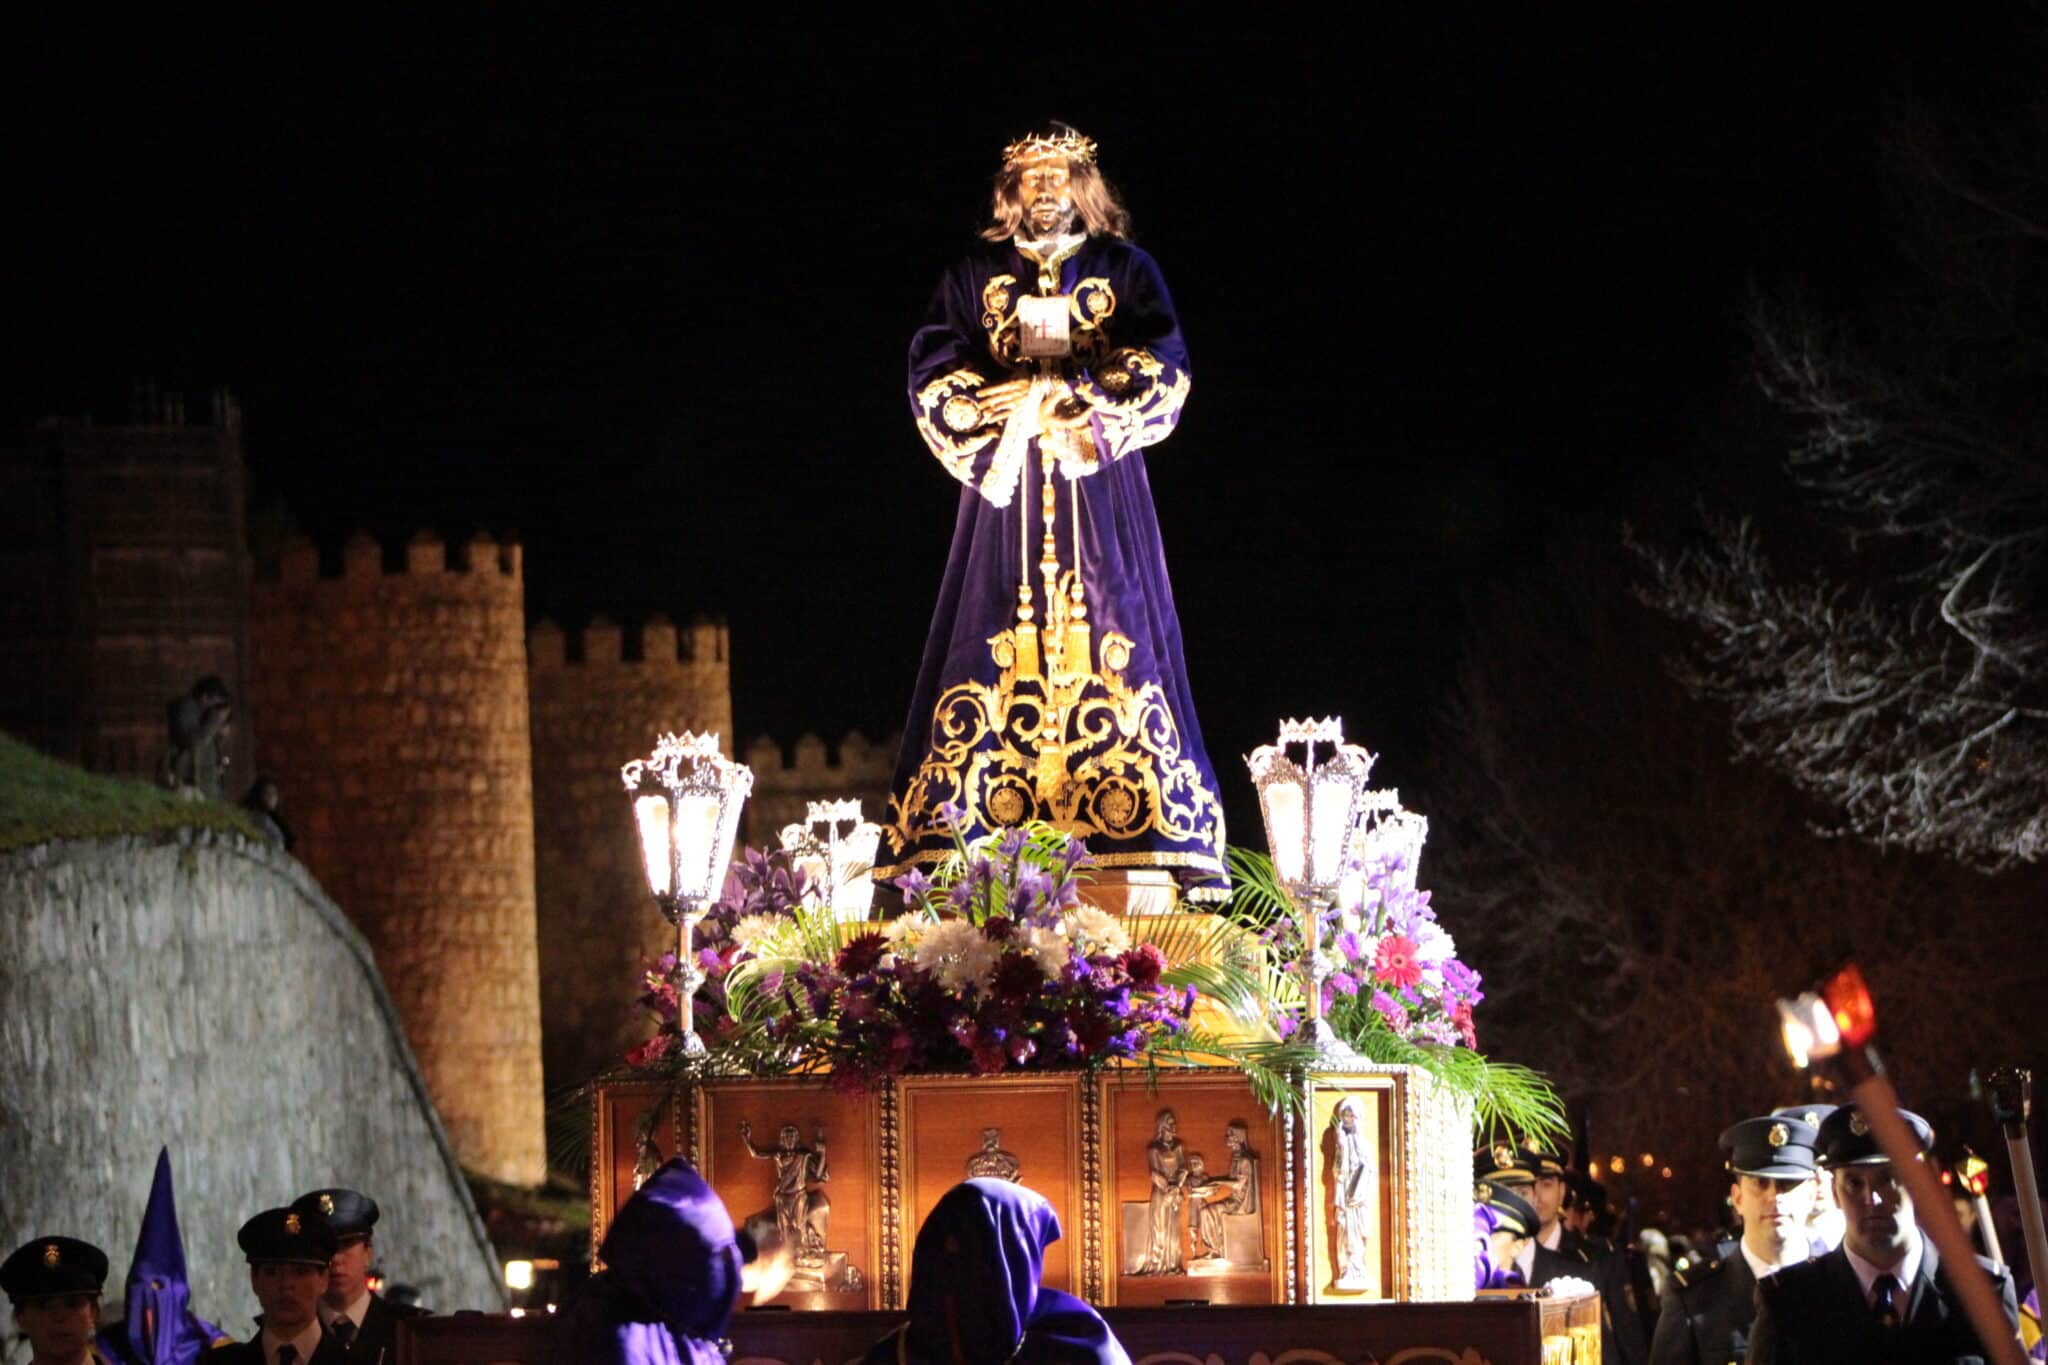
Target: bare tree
(1904,682)
(1636,900)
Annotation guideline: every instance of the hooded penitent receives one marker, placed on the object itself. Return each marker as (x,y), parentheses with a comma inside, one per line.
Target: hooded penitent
(672,1271)
(975,1293)
(160,1327)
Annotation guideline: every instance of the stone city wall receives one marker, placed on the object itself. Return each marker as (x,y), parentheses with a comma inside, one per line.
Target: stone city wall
(785,784)
(394,717)
(202,992)
(596,704)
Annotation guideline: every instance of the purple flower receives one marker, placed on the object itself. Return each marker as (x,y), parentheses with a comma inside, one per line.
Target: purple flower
(1461,982)
(913,884)
(1012,842)
(1390,1010)
(1347,946)
(1344,983)
(1075,855)
(1032,887)
(951,814)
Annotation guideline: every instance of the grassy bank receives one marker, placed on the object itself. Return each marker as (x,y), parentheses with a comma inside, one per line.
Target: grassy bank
(42,799)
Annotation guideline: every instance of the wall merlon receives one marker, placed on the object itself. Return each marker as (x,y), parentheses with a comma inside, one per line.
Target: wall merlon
(425,556)
(425,553)
(546,646)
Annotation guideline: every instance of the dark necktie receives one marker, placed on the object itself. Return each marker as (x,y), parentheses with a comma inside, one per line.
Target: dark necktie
(287,1354)
(1884,1301)
(344,1331)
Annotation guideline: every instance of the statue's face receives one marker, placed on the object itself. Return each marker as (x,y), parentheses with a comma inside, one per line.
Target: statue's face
(1168,1124)
(1046,195)
(1234,1138)
(1347,1118)
(789,1135)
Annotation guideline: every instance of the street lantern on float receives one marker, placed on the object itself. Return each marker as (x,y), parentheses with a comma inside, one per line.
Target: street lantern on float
(1312,808)
(835,846)
(686,800)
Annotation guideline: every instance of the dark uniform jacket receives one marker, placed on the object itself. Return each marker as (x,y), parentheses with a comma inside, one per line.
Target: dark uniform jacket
(251,1352)
(1621,1332)
(1707,1314)
(376,1341)
(1815,1314)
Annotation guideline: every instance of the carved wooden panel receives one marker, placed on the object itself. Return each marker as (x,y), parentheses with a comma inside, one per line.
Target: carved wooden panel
(1206,1105)
(943,1121)
(631,1126)
(1350,1234)
(841,1270)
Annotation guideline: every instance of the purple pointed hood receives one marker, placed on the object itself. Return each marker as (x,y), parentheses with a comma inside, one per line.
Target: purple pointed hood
(160,1327)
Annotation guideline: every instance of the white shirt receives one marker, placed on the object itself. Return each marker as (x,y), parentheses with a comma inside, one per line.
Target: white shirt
(1905,1272)
(354,1312)
(1759,1267)
(1525,1260)
(1551,1237)
(306,1342)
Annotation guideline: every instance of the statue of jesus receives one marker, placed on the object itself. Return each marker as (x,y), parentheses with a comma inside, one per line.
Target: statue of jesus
(1053,686)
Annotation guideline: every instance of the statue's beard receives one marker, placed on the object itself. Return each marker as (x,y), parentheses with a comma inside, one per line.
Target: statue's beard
(1048,217)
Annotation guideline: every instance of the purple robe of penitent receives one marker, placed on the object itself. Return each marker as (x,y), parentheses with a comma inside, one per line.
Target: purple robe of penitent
(975,1292)
(1053,686)
(159,1327)
(671,1276)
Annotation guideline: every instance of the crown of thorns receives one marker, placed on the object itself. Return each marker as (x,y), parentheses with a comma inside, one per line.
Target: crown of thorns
(1067,143)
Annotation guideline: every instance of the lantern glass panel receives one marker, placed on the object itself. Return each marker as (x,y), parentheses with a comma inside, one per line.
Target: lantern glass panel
(1330,810)
(1284,829)
(696,835)
(651,815)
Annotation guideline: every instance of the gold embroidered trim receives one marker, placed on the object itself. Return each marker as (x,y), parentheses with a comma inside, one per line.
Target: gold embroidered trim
(1136,410)
(955,450)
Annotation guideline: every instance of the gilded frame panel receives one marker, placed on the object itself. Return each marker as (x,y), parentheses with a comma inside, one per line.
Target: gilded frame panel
(940,1121)
(1205,1101)
(1381,1101)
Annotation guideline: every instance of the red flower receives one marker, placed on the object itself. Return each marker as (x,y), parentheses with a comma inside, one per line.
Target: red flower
(651,1050)
(1461,1015)
(861,955)
(1018,975)
(1395,962)
(1143,964)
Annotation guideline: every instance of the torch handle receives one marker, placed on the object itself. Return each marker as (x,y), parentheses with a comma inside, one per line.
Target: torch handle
(1880,1105)
(1991,1246)
(2028,1192)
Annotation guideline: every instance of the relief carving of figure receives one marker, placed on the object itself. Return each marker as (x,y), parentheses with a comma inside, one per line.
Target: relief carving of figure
(1238,1185)
(1357,1187)
(802,1211)
(992,1162)
(1166,1159)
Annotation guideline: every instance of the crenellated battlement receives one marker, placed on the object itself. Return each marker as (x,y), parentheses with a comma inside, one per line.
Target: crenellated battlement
(364,559)
(703,643)
(785,782)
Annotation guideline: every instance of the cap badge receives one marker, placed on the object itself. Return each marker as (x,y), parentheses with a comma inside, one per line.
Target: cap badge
(1779,1135)
(1503,1155)
(1812,1117)
(291,1224)
(1530,1144)
(1858,1124)
(327,1204)
(51,1256)
(1482,1193)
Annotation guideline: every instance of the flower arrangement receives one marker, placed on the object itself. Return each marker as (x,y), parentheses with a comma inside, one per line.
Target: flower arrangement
(996,964)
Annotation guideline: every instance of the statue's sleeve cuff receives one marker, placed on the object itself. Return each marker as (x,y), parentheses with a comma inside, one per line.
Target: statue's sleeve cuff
(950,419)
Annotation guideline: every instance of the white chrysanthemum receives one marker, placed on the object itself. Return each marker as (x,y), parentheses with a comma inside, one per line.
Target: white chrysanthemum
(753,930)
(1048,948)
(903,933)
(1093,931)
(957,954)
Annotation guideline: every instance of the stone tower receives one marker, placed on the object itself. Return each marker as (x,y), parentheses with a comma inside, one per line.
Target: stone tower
(860,770)
(395,720)
(593,710)
(124,551)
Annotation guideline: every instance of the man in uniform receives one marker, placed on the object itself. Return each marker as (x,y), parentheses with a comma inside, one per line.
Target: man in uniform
(54,1284)
(1537,1173)
(288,1255)
(1883,1295)
(364,1325)
(1824,1223)
(1505,1223)
(1708,1308)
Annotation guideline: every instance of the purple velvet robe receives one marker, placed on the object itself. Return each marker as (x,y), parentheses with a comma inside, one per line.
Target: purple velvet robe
(672,1273)
(974,1290)
(1133,776)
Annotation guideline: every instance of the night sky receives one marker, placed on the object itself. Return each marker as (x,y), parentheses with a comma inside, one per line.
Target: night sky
(642,299)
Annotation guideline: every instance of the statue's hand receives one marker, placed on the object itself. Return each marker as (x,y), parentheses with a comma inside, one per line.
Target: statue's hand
(818,1135)
(746,1128)
(998,401)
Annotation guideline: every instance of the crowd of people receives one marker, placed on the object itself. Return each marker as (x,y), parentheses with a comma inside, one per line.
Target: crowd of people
(1829,1266)
(309,1272)
(1828,1263)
